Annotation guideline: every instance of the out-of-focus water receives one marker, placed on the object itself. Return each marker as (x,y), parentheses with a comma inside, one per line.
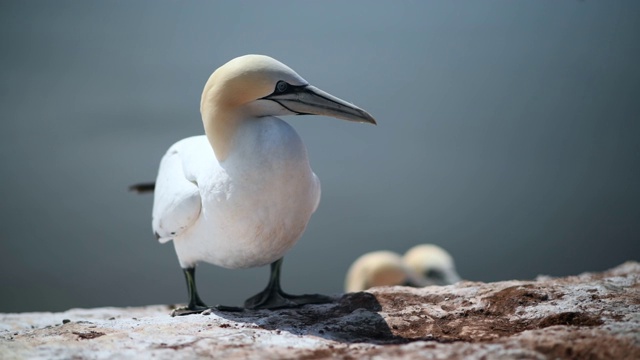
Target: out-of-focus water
(508,134)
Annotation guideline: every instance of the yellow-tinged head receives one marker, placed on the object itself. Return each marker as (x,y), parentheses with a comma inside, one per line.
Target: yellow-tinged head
(379,268)
(254,86)
(433,263)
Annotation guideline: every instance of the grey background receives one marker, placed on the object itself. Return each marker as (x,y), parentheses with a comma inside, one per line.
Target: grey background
(508,134)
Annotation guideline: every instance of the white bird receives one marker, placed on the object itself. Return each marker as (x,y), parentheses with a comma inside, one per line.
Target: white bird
(433,263)
(380,268)
(241,195)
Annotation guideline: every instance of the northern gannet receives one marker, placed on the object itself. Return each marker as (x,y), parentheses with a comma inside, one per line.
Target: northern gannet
(422,265)
(433,263)
(380,268)
(241,195)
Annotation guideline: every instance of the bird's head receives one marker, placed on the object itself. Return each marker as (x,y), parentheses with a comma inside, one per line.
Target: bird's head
(433,263)
(379,268)
(258,85)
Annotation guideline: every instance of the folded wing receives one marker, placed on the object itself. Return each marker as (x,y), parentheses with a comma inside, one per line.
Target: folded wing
(177,202)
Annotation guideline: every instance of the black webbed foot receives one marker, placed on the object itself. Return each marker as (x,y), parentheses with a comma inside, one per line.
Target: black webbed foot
(272,297)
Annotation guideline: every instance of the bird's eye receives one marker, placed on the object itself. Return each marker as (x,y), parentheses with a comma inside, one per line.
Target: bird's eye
(281,86)
(434,274)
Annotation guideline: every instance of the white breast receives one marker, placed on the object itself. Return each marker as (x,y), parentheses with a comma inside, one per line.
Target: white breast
(256,204)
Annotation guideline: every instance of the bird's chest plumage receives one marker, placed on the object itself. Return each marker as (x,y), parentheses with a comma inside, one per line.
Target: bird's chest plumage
(259,205)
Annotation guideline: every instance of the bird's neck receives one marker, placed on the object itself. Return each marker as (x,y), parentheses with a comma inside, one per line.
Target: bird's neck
(220,126)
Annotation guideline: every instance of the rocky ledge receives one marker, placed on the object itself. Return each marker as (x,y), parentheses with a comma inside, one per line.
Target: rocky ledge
(589,316)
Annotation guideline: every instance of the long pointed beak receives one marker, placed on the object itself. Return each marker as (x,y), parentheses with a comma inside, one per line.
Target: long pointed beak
(309,99)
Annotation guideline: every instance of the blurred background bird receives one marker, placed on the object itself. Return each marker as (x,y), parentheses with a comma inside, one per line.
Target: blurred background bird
(379,268)
(433,263)
(422,265)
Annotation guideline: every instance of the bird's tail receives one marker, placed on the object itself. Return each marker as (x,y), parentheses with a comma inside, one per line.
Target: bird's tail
(142,188)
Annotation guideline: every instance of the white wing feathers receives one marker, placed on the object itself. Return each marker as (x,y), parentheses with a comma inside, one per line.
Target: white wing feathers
(177,201)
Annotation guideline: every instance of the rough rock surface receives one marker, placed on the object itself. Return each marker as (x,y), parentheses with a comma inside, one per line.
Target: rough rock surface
(590,316)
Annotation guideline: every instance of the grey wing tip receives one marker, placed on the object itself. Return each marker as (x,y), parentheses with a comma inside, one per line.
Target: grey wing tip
(142,188)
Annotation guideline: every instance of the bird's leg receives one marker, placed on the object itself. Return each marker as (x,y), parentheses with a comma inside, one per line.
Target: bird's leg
(195,302)
(196,305)
(272,297)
